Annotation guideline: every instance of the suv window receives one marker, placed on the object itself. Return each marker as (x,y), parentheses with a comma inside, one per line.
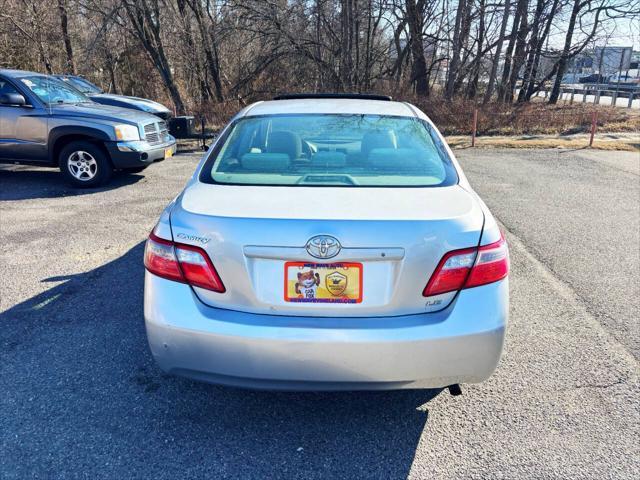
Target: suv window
(6,87)
(51,90)
(330,150)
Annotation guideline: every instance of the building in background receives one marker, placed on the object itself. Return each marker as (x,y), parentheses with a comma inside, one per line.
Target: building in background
(610,60)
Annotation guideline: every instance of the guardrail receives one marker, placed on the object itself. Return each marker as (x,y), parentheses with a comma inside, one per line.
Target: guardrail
(529,123)
(575,94)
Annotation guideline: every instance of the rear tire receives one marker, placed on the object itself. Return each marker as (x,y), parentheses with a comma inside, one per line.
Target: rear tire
(85,165)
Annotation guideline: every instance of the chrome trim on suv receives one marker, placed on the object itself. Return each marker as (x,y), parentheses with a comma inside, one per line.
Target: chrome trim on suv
(156,133)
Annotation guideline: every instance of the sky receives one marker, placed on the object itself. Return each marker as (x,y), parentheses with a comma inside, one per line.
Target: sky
(618,32)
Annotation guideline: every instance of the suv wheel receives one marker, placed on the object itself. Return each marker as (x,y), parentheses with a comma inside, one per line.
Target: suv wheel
(85,165)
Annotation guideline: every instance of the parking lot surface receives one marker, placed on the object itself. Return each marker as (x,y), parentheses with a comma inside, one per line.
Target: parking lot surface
(81,396)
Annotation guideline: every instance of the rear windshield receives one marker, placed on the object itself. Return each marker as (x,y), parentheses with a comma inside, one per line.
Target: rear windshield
(330,150)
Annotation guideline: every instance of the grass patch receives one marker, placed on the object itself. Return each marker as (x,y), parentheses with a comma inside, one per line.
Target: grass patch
(630,143)
(535,118)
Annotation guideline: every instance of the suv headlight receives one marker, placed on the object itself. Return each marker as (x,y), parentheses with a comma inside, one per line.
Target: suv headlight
(127,132)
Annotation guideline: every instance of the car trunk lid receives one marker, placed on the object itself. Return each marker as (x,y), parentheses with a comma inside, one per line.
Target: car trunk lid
(393,238)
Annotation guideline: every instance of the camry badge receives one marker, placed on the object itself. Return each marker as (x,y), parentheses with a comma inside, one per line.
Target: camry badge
(193,238)
(323,246)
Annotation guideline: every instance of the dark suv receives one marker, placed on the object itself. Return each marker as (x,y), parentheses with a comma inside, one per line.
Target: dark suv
(96,94)
(43,121)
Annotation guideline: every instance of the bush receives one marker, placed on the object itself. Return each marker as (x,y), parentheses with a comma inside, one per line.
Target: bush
(456,117)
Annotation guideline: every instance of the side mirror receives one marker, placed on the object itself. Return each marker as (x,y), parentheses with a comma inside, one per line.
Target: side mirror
(14,99)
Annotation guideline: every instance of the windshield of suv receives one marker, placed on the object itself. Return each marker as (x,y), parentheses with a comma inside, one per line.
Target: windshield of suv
(330,150)
(51,90)
(83,85)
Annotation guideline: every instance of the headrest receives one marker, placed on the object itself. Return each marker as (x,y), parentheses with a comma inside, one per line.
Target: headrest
(285,142)
(380,139)
(329,160)
(265,162)
(399,159)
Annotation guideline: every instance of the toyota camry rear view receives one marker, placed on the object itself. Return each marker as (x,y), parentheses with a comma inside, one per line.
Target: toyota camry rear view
(327,244)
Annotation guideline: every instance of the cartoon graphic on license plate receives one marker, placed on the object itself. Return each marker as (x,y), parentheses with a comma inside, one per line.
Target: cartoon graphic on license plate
(323,282)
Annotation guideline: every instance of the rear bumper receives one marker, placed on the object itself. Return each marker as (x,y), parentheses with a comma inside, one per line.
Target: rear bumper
(461,344)
(138,154)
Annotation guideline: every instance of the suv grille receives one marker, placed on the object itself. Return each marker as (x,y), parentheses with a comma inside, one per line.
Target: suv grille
(156,133)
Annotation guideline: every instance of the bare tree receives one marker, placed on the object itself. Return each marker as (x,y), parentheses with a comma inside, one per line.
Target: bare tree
(208,44)
(535,47)
(477,61)
(458,40)
(205,54)
(145,19)
(416,24)
(64,28)
(516,33)
(583,9)
(496,58)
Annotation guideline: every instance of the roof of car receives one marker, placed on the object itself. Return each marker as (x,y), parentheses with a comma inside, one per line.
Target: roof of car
(354,95)
(19,73)
(331,105)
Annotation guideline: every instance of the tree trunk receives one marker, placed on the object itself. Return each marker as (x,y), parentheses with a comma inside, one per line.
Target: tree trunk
(535,49)
(346,44)
(64,27)
(355,35)
(147,28)
(496,58)
(37,29)
(419,65)
(454,60)
(109,63)
(396,69)
(465,29)
(506,71)
(320,73)
(473,84)
(531,88)
(194,63)
(564,58)
(209,46)
(519,56)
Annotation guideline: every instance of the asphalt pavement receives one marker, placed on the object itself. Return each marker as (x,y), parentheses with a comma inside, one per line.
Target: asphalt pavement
(80,395)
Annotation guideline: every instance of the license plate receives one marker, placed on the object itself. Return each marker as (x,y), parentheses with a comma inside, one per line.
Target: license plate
(168,152)
(323,282)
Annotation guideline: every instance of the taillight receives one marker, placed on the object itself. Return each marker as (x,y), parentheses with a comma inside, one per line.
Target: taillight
(468,268)
(491,265)
(451,273)
(197,268)
(181,263)
(160,259)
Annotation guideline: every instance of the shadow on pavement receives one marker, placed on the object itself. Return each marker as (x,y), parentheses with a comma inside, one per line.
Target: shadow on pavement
(24,183)
(82,397)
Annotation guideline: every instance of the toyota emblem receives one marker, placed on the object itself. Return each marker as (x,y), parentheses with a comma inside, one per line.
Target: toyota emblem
(323,246)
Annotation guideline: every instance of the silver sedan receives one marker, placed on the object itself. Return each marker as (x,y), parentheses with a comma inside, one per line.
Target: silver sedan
(327,244)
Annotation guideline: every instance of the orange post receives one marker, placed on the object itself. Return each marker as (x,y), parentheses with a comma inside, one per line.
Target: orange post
(475,127)
(594,125)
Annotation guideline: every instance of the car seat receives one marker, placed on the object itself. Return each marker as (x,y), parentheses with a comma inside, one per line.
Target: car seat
(285,142)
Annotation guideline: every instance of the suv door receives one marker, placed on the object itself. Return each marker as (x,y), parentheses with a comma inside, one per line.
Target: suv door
(23,129)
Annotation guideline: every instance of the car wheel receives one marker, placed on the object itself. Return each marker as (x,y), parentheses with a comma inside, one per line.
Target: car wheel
(85,165)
